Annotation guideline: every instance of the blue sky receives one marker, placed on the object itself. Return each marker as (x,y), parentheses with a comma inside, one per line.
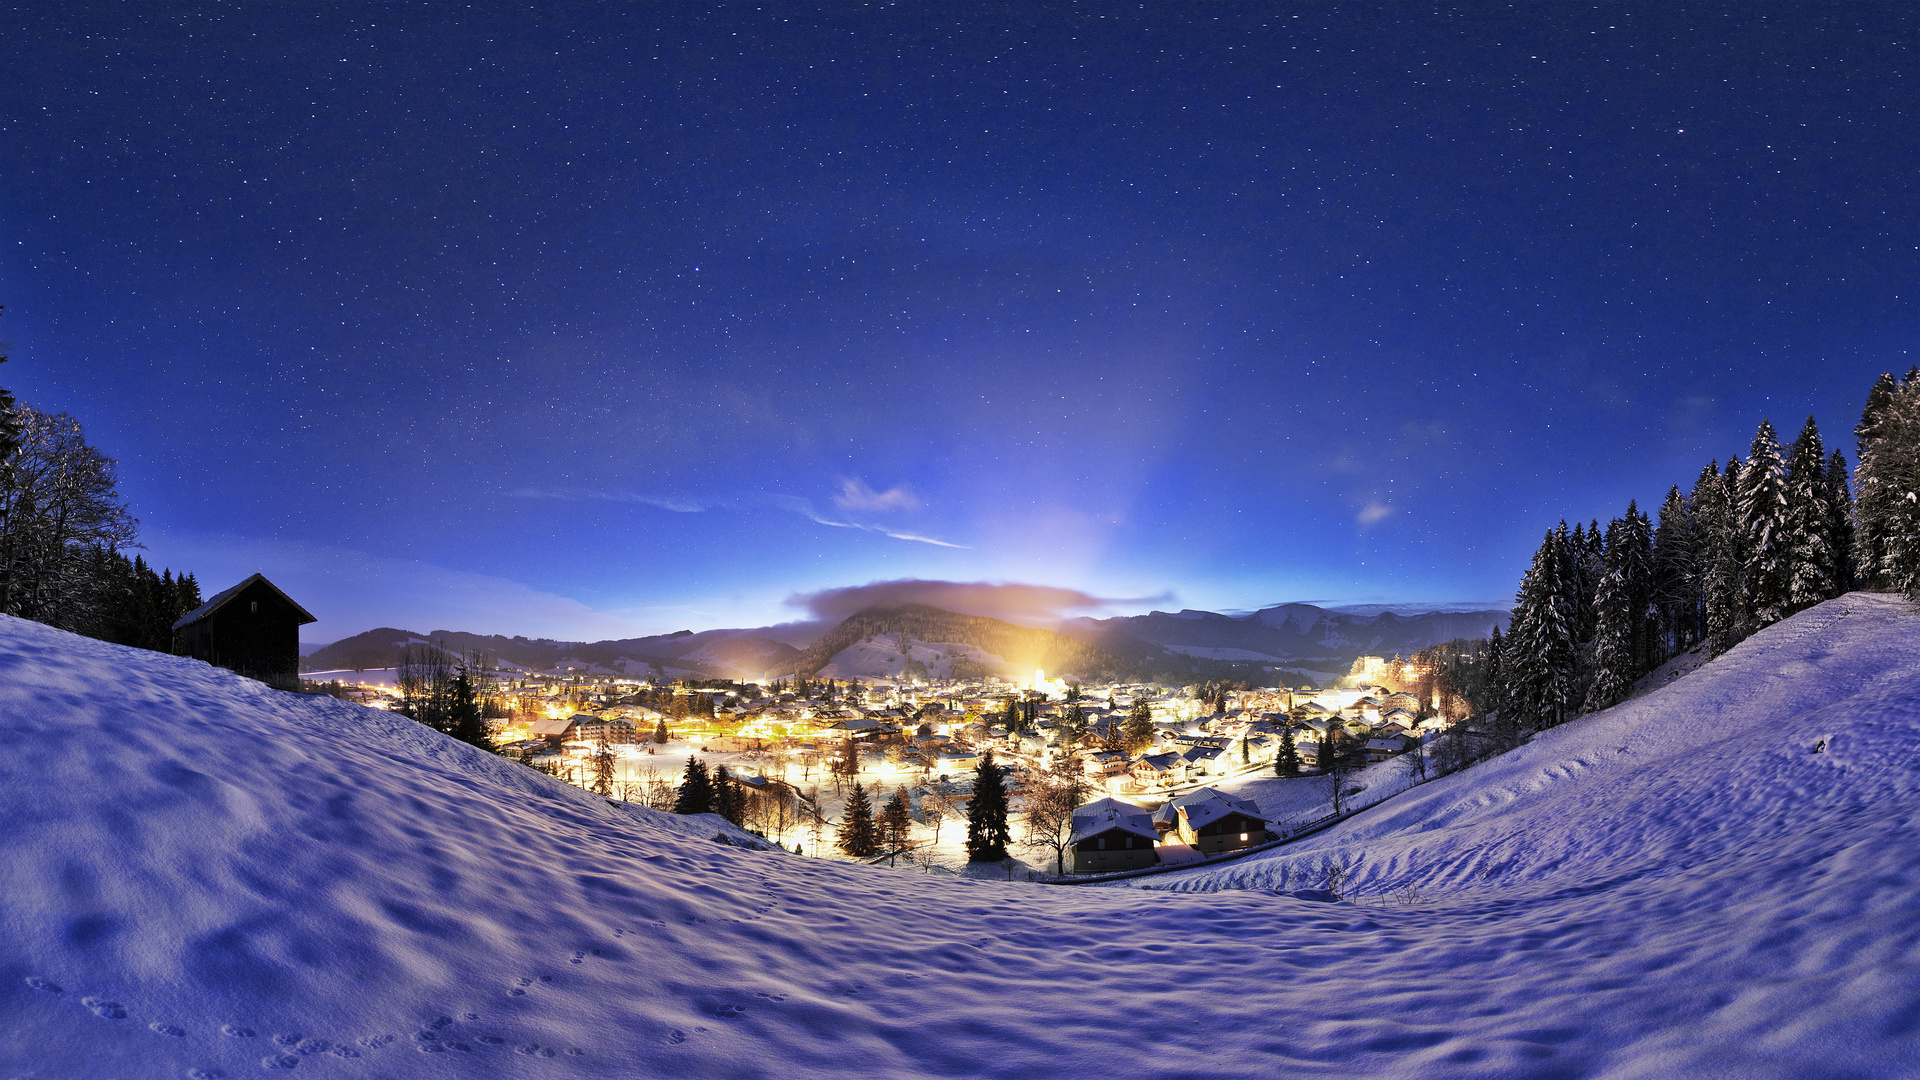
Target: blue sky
(581,323)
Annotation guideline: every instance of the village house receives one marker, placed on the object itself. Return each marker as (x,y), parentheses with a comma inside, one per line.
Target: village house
(1211,821)
(1158,770)
(1105,763)
(1109,834)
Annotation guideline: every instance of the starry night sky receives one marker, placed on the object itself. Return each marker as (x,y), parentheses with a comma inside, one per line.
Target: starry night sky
(558,320)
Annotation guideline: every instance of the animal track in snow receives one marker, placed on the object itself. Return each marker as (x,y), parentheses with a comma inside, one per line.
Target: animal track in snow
(204,1074)
(232,1031)
(166,1029)
(102,1007)
(675,1037)
(728,1012)
(375,1042)
(279,1061)
(45,985)
(288,1038)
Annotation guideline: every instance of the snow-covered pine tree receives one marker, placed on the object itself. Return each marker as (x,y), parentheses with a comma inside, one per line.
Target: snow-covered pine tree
(1888,506)
(1138,732)
(1719,559)
(728,800)
(1614,663)
(1898,465)
(1540,668)
(1583,563)
(1811,574)
(1634,562)
(1874,501)
(858,836)
(1676,577)
(896,820)
(1840,522)
(1287,761)
(1492,693)
(987,832)
(696,790)
(1765,530)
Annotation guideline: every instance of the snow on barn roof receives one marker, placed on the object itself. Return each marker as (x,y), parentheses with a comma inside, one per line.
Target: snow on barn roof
(220,599)
(1205,805)
(1106,815)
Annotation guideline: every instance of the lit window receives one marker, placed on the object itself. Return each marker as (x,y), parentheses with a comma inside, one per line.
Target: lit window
(1243,838)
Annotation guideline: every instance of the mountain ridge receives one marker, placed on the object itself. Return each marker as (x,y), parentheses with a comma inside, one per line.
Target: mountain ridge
(1188,645)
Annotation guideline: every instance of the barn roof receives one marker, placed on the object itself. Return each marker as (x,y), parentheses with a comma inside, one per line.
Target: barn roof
(1105,815)
(220,599)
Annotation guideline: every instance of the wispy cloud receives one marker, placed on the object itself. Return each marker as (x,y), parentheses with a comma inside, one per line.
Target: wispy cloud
(855,495)
(897,498)
(677,505)
(1372,514)
(805,508)
(920,539)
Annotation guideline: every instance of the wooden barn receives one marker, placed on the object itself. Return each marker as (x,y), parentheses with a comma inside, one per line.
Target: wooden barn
(252,629)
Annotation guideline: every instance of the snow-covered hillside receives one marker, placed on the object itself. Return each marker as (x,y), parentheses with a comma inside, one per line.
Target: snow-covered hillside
(208,878)
(880,658)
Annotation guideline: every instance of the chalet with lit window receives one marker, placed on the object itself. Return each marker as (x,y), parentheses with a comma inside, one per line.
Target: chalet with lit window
(1111,835)
(1212,821)
(252,629)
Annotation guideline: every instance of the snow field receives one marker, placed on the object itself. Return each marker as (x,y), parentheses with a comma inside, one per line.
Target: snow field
(208,878)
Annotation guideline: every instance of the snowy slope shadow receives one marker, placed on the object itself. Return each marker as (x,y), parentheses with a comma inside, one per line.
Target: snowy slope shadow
(206,878)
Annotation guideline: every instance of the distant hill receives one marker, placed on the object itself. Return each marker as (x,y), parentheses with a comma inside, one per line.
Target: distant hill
(1298,636)
(1021,647)
(1288,642)
(711,653)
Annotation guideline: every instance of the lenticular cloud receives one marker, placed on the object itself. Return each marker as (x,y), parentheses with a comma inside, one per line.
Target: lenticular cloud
(1011,601)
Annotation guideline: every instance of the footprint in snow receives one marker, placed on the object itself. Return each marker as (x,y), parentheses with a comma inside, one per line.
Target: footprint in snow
(44,985)
(167,1030)
(280,1062)
(204,1074)
(102,1007)
(577,957)
(233,1031)
(728,1012)
(675,1037)
(375,1042)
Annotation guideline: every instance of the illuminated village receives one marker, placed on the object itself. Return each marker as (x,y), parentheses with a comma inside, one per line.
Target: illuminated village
(794,747)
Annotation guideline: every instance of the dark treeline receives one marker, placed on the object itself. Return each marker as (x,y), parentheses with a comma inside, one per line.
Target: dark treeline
(1748,545)
(63,528)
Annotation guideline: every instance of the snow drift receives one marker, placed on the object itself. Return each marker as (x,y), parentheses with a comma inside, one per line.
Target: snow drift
(206,878)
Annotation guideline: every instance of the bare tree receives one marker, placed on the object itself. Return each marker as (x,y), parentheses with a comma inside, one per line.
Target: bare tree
(59,501)
(1052,797)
